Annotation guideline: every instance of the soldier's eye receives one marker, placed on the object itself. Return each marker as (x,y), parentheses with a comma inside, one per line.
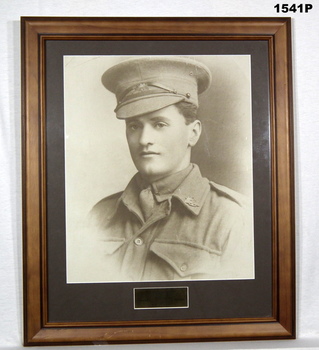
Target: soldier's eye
(132,126)
(160,125)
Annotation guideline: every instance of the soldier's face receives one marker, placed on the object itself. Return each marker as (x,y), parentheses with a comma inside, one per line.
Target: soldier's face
(160,142)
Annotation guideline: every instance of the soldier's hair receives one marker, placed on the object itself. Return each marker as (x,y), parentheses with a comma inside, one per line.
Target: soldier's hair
(188,110)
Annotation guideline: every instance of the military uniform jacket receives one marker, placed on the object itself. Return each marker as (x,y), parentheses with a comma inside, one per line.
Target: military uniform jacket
(198,231)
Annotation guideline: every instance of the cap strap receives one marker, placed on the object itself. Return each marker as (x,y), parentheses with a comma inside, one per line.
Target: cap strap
(139,89)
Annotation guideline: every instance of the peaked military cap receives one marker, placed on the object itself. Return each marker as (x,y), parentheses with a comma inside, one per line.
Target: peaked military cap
(149,83)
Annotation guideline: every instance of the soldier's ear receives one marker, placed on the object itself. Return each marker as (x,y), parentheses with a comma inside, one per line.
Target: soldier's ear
(195,129)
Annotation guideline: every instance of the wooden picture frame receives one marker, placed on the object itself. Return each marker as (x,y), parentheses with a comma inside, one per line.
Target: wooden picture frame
(270,316)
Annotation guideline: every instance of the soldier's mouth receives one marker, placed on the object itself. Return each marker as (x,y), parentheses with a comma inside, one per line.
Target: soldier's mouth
(149,154)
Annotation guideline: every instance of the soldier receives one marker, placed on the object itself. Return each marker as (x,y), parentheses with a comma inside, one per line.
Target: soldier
(169,223)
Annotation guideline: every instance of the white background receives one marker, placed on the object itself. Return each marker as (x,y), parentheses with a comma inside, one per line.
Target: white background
(306,107)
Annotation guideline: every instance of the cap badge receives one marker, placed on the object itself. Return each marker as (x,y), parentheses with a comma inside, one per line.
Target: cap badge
(138,88)
(191,202)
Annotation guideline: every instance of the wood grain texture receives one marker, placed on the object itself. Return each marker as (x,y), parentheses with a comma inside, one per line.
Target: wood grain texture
(35,31)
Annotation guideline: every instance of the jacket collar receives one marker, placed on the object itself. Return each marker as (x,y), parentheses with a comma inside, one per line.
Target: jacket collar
(191,192)
(164,188)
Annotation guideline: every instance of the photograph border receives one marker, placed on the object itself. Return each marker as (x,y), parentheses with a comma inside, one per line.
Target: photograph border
(98,163)
(35,32)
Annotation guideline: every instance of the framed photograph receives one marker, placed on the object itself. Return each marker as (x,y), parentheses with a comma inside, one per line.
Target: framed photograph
(158,188)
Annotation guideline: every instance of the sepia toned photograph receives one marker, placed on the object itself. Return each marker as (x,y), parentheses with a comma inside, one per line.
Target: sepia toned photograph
(158,168)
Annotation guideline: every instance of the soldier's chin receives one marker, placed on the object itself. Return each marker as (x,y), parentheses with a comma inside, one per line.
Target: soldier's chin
(151,174)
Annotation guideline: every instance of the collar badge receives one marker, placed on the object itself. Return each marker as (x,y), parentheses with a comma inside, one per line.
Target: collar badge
(191,202)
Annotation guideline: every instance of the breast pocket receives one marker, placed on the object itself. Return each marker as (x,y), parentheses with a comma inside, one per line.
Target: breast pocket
(189,261)
(111,245)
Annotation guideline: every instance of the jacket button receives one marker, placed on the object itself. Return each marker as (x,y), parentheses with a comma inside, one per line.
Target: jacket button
(138,241)
(184,267)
